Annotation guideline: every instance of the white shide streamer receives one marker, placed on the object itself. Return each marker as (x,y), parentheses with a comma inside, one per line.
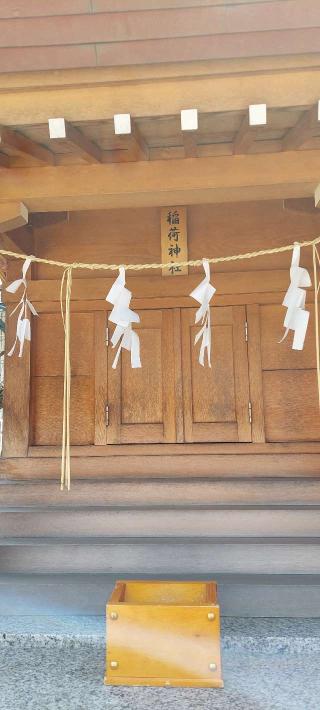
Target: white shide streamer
(297,317)
(123,317)
(203,294)
(23,331)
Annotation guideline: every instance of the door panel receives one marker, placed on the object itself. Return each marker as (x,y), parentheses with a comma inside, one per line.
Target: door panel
(215,400)
(142,402)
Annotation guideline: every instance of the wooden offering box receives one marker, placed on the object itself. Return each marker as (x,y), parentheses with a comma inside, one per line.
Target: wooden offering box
(163,633)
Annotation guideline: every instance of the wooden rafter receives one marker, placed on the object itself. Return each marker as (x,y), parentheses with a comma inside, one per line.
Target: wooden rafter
(190,144)
(300,204)
(63,131)
(22,145)
(12,215)
(130,138)
(251,125)
(303,130)
(142,183)
(189,127)
(4,161)
(45,219)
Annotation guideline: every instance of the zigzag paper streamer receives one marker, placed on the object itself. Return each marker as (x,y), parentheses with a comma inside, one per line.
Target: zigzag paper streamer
(203,294)
(123,317)
(23,331)
(297,317)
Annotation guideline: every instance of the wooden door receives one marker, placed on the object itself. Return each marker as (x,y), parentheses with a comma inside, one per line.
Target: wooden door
(142,403)
(285,379)
(216,399)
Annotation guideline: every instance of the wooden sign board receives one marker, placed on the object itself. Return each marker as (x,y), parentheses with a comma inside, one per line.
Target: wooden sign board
(174,242)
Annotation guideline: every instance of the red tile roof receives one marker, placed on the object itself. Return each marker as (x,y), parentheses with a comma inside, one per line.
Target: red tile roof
(86,33)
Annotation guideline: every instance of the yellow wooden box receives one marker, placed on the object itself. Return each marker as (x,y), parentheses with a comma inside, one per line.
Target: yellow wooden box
(163,633)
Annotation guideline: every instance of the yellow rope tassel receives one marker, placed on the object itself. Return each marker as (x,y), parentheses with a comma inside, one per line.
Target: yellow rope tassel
(65,314)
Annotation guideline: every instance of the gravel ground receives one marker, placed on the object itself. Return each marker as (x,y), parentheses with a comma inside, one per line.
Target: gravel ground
(269,665)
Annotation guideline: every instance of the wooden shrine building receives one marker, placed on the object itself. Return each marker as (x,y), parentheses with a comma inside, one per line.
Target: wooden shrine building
(177,470)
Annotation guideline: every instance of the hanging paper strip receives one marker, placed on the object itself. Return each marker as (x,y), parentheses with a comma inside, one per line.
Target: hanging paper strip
(123,317)
(203,294)
(297,317)
(23,331)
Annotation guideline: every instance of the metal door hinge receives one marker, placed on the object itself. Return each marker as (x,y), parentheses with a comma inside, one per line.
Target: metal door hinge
(246,331)
(250,412)
(106,412)
(107,335)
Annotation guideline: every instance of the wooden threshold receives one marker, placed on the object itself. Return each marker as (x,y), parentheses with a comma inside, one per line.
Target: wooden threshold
(111,450)
(275,465)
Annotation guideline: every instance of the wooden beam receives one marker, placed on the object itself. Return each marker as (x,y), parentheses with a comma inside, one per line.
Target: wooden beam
(304,129)
(63,131)
(4,161)
(213,92)
(190,144)
(7,243)
(221,179)
(189,126)
(317,196)
(300,205)
(130,137)
(12,215)
(251,125)
(44,219)
(25,146)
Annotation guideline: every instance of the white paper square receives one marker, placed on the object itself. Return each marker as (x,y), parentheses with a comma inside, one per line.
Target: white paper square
(189,119)
(122,124)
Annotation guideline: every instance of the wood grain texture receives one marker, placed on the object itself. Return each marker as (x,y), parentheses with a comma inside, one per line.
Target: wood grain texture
(255,372)
(182,493)
(155,523)
(142,401)
(46,410)
(100,378)
(291,405)
(16,395)
(147,183)
(216,399)
(280,356)
(147,656)
(165,466)
(48,345)
(209,85)
(184,558)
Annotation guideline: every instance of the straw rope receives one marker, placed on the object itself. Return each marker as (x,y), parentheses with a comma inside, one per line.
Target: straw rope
(65,299)
(144,267)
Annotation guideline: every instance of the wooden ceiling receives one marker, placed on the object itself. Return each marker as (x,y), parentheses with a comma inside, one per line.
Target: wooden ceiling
(161,138)
(37,35)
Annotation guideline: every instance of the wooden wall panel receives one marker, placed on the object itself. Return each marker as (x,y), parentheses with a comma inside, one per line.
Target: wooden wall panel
(16,396)
(48,345)
(133,236)
(47,399)
(280,356)
(291,405)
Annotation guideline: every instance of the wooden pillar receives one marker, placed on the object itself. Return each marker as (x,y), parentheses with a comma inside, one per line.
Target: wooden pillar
(16,370)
